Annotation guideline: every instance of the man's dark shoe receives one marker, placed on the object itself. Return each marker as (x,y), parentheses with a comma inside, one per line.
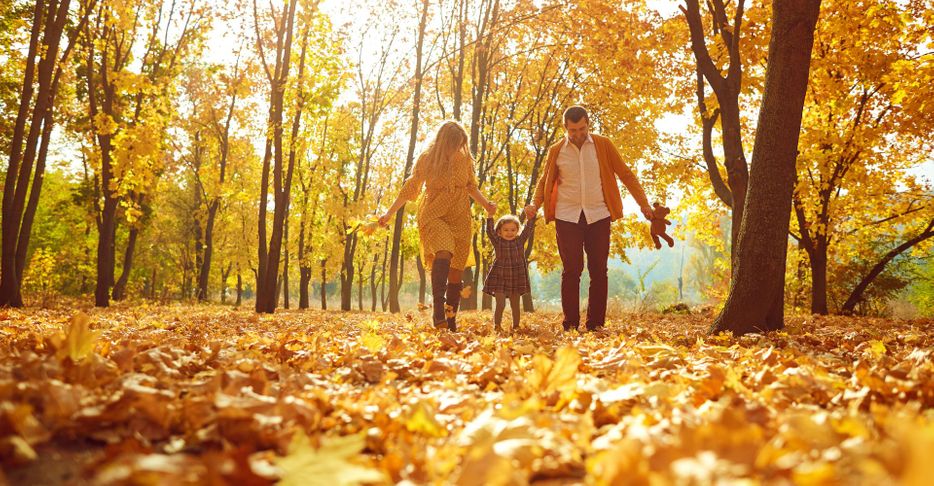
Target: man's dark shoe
(569,326)
(595,327)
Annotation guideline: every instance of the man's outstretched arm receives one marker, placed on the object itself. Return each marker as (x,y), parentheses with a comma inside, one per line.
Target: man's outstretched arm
(629,179)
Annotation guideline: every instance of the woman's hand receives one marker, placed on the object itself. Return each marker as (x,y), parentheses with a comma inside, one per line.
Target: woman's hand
(490,209)
(384,219)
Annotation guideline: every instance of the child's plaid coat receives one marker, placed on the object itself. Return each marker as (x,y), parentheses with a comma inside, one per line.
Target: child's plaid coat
(509,273)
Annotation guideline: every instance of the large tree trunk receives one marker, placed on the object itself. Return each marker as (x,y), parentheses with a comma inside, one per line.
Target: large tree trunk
(756,299)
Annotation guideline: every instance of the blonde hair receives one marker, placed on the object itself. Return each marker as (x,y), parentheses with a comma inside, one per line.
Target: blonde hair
(450,139)
(507,219)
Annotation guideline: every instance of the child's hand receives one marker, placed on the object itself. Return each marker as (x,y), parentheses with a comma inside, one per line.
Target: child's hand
(490,209)
(490,213)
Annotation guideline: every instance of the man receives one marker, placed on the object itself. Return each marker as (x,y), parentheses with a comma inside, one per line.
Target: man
(579,193)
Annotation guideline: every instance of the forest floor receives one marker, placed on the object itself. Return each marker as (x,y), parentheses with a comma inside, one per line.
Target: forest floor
(211,395)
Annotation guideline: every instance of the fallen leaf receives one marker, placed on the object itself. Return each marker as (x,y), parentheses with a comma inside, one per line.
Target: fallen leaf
(328,465)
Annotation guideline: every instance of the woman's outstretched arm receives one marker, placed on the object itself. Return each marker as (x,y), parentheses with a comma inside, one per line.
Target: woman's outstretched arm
(477,196)
(411,188)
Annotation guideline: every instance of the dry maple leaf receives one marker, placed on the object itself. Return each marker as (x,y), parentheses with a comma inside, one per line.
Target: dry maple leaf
(372,341)
(80,340)
(558,375)
(422,420)
(328,465)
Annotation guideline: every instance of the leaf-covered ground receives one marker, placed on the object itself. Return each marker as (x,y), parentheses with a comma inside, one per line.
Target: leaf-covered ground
(207,395)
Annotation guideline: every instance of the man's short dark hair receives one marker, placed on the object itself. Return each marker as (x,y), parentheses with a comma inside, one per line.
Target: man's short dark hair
(575,113)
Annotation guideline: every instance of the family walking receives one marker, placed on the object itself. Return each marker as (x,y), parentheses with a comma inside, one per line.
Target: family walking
(578,192)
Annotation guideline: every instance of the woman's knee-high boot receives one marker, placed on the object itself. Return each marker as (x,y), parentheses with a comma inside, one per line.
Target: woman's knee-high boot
(453,301)
(439,281)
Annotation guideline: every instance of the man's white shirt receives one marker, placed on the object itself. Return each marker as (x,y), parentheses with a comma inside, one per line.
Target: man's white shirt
(579,184)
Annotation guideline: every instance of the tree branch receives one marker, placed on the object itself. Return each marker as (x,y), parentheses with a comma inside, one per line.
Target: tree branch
(705,64)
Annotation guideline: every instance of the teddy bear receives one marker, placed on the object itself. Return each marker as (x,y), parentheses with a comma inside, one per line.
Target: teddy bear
(658,225)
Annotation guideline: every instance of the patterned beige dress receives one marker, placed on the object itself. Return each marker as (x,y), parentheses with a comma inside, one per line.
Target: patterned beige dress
(444,220)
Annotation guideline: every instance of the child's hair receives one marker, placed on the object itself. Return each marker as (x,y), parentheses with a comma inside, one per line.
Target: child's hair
(451,138)
(507,219)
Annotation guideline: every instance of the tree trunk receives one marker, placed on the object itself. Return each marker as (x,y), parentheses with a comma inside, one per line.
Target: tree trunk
(304,280)
(527,304)
(208,246)
(273,160)
(395,282)
(737,172)
(374,298)
(360,290)
(818,261)
(324,285)
(278,291)
(105,250)
(152,285)
(422,283)
(382,279)
(285,267)
(481,82)
(756,299)
(17,215)
(727,90)
(347,272)
(119,291)
(469,280)
(224,275)
(486,301)
(239,289)
(268,281)
(304,271)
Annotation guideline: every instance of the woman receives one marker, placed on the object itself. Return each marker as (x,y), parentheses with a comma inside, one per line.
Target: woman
(444,221)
